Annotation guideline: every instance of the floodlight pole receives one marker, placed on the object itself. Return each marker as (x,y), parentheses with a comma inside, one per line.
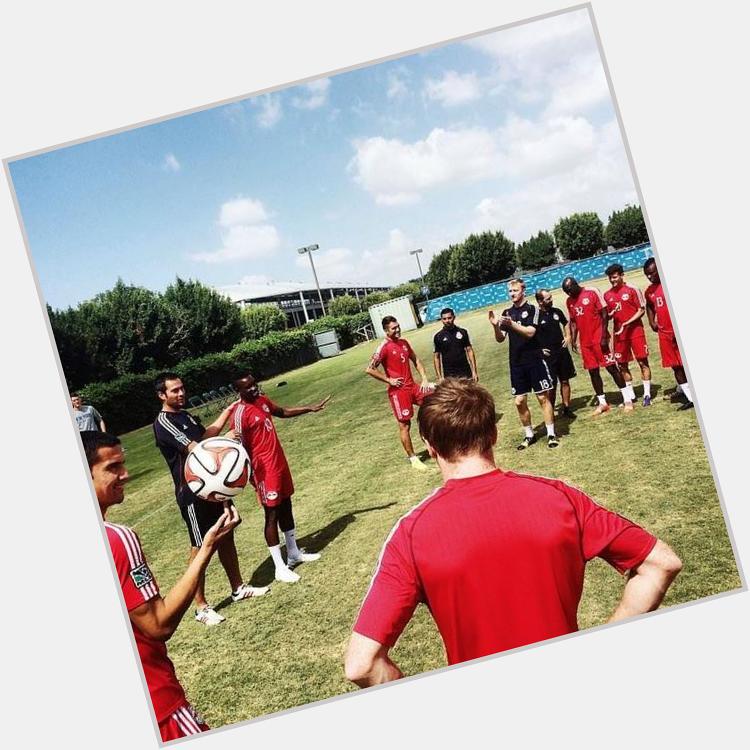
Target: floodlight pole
(419,266)
(309,250)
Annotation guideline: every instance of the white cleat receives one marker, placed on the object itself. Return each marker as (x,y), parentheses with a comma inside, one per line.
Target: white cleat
(302,557)
(284,575)
(246,591)
(417,464)
(208,616)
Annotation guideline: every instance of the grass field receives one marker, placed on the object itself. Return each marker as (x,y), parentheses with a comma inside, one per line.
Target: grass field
(353,484)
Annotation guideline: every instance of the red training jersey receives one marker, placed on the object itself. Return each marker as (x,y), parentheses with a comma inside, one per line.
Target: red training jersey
(395,358)
(499,561)
(658,300)
(623,303)
(585,310)
(139,586)
(253,425)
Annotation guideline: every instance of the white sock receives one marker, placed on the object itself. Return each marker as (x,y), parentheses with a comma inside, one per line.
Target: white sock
(550,429)
(647,388)
(292,550)
(686,391)
(679,388)
(529,431)
(602,399)
(278,560)
(626,395)
(631,392)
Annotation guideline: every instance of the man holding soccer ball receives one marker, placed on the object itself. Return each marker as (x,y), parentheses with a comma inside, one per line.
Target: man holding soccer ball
(153,617)
(252,424)
(177,432)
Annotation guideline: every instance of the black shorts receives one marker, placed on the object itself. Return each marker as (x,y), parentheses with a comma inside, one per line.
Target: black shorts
(458,373)
(199,516)
(534,376)
(561,365)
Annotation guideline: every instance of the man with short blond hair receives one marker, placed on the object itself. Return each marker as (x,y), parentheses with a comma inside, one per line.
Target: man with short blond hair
(498,557)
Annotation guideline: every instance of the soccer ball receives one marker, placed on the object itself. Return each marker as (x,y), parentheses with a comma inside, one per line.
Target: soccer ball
(217,469)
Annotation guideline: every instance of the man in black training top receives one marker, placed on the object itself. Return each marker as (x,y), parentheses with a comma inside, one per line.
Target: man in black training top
(177,431)
(528,369)
(453,354)
(553,333)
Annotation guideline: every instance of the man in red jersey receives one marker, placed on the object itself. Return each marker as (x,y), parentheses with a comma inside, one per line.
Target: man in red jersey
(153,618)
(587,312)
(626,306)
(396,356)
(497,557)
(661,322)
(252,424)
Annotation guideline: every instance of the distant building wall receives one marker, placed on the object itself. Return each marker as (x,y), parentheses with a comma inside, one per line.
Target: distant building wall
(548,278)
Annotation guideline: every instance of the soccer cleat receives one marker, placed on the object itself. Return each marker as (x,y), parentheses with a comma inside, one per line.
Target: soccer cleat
(678,398)
(208,616)
(687,405)
(246,591)
(552,441)
(647,400)
(302,557)
(566,411)
(601,409)
(525,443)
(417,464)
(284,575)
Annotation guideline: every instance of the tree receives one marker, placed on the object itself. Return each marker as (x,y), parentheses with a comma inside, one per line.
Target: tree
(579,235)
(344,305)
(402,290)
(203,321)
(70,347)
(481,258)
(626,228)
(537,252)
(374,298)
(437,276)
(258,320)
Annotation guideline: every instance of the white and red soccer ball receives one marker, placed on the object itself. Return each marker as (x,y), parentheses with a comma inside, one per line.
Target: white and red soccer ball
(217,469)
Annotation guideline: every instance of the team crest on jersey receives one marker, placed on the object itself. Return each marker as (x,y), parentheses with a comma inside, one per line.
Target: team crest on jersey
(525,314)
(586,301)
(265,408)
(625,297)
(556,316)
(404,412)
(459,335)
(271,495)
(141,576)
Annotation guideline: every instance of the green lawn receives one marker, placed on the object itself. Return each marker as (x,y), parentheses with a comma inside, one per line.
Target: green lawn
(353,484)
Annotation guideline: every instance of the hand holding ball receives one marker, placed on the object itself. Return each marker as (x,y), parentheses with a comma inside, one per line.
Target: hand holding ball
(217,469)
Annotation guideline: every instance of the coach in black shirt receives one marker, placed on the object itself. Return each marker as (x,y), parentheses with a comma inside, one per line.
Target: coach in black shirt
(453,354)
(528,369)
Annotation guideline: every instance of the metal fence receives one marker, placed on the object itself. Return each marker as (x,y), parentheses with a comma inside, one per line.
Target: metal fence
(548,278)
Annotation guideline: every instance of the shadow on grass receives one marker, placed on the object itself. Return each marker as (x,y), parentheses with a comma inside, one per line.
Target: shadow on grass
(263,575)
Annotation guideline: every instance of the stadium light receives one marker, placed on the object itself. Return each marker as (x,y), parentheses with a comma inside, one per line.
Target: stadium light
(425,290)
(309,250)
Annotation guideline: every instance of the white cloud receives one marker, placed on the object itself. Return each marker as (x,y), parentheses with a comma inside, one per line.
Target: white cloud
(600,183)
(398,173)
(453,88)
(397,88)
(245,233)
(270,110)
(242,211)
(313,95)
(170,163)
(395,172)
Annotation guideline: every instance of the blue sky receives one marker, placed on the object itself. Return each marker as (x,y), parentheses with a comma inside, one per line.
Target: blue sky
(507,131)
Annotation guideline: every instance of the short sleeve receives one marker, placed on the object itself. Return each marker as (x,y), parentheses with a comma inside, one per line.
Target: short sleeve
(563,319)
(393,594)
(641,297)
(614,538)
(467,340)
(436,343)
(97,416)
(377,357)
(169,435)
(136,580)
(600,300)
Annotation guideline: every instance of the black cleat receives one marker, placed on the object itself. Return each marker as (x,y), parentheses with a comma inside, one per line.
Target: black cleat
(566,411)
(678,398)
(527,441)
(687,405)
(552,441)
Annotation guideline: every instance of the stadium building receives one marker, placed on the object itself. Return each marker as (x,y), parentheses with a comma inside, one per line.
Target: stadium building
(300,302)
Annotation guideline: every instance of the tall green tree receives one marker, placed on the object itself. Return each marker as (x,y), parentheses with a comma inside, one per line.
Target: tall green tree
(626,228)
(203,321)
(537,252)
(437,276)
(579,235)
(258,320)
(343,305)
(410,287)
(482,258)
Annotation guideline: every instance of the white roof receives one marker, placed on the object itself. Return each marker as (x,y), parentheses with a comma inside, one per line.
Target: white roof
(260,289)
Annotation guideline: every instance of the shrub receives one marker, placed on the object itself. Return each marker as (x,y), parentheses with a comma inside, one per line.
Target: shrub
(258,320)
(344,305)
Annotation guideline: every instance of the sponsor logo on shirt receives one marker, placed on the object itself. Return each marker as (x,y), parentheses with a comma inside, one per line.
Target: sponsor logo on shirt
(141,576)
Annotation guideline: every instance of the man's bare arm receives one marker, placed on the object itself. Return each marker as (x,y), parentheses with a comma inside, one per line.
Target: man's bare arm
(367,662)
(648,583)
(437,364)
(472,363)
(295,411)
(218,424)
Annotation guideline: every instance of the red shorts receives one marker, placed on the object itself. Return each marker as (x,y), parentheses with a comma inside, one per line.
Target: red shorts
(403,400)
(670,354)
(273,488)
(594,356)
(631,344)
(182,723)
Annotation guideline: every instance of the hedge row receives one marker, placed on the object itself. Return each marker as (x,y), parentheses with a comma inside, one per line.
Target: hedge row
(344,325)
(129,402)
